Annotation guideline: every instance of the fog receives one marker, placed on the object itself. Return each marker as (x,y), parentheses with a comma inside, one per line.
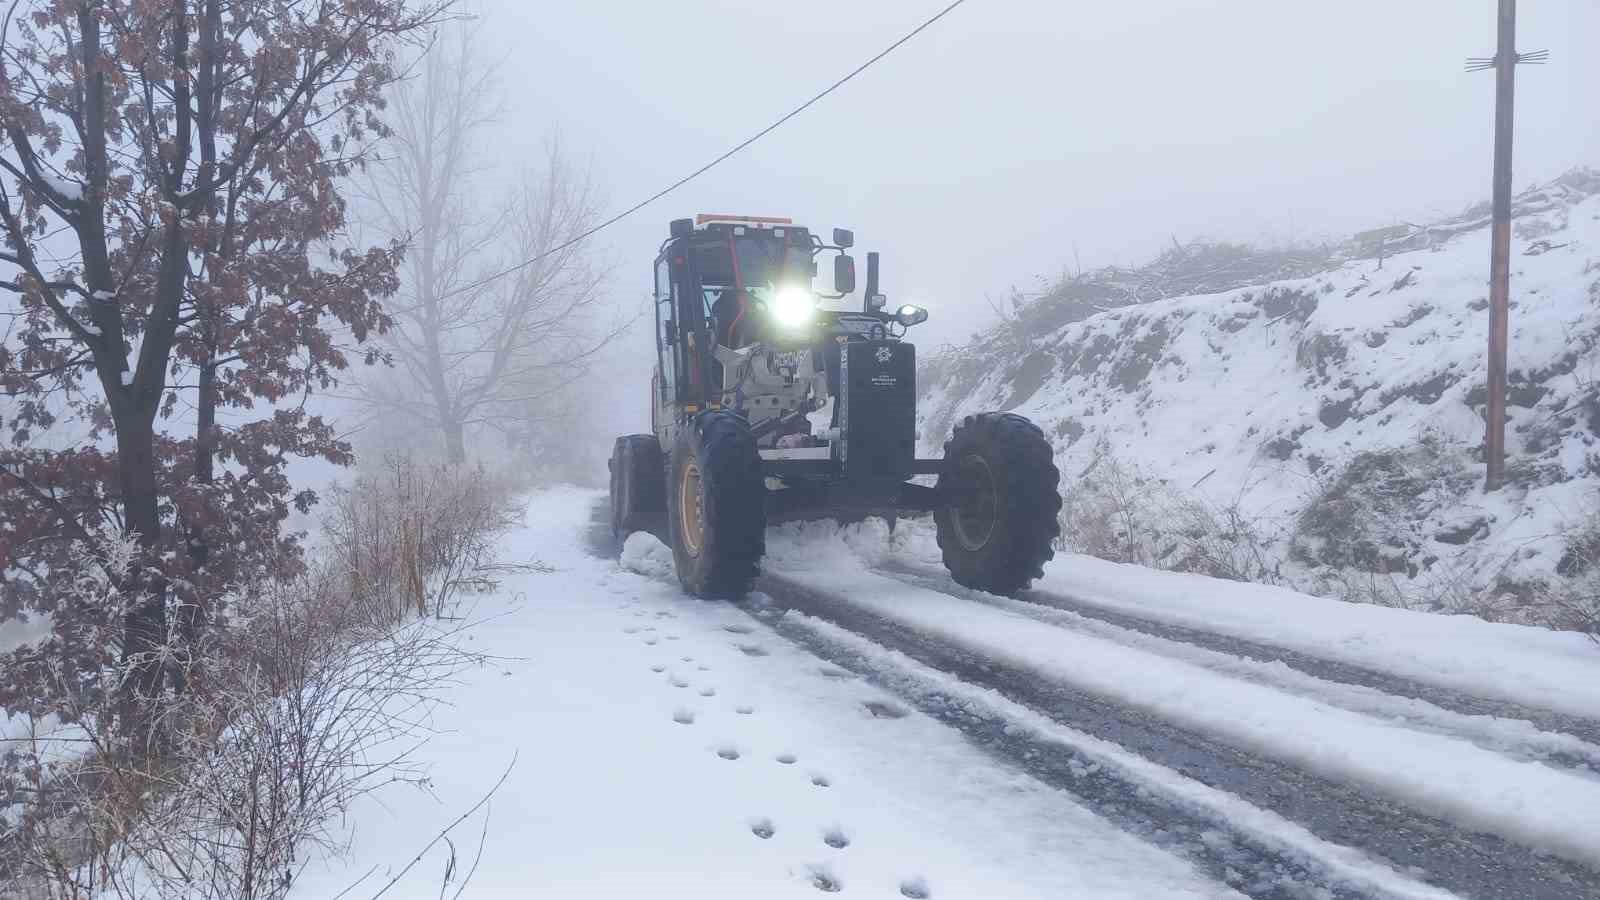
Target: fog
(1016,139)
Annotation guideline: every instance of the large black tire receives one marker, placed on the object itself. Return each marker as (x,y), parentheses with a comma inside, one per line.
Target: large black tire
(638,485)
(999,506)
(716,506)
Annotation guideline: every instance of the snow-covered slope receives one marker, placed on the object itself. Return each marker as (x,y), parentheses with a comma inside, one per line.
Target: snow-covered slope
(1360,387)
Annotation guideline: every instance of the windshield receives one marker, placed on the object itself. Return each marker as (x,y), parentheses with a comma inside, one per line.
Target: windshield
(764,263)
(760,262)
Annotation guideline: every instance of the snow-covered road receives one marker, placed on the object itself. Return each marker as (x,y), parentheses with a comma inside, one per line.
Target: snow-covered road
(863,725)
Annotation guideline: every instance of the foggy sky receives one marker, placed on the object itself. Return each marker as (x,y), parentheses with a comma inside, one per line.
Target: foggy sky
(1015,136)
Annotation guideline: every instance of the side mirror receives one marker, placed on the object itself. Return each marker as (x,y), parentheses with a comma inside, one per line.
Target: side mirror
(681,228)
(844,237)
(844,274)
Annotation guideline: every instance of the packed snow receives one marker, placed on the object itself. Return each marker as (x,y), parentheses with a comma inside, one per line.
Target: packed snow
(1531,666)
(1346,864)
(1542,807)
(666,746)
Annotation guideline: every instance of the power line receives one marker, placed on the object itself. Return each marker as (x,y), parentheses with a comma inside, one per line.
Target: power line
(708,166)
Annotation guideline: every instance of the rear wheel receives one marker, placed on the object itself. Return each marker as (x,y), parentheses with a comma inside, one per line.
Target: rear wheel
(716,506)
(638,485)
(997,517)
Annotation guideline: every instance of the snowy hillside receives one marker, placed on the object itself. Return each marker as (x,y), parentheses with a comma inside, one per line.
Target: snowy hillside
(1333,416)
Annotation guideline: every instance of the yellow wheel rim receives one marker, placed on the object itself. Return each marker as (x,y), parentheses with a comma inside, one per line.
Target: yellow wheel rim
(691,510)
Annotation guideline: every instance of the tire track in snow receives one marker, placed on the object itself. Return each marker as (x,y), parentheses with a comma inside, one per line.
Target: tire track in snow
(1516,737)
(1452,699)
(1254,852)
(1258,867)
(1443,853)
(1261,862)
(1458,701)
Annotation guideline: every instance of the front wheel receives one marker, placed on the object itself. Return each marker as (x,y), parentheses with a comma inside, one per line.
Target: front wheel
(716,506)
(997,517)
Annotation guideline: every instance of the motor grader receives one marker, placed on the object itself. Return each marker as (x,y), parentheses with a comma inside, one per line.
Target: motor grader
(767,407)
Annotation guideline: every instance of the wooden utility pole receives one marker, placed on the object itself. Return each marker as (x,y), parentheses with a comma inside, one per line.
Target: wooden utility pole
(1504,64)
(1505,74)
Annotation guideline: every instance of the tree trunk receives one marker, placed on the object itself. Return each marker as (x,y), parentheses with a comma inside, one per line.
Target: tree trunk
(455,442)
(192,616)
(145,620)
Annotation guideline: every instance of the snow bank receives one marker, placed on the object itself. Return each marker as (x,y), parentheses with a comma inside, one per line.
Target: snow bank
(644,554)
(1532,666)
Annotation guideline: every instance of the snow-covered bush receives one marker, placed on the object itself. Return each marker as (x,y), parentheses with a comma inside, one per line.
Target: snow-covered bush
(1573,601)
(294,713)
(312,691)
(1114,511)
(1372,513)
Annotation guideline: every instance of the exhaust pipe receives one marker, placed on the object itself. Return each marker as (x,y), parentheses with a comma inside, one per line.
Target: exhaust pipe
(870,299)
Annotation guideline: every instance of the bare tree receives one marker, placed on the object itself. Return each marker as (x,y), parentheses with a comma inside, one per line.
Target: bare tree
(475,353)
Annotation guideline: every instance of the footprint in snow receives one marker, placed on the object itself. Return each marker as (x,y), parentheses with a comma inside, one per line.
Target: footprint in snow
(672,637)
(835,672)
(688,659)
(736,629)
(631,629)
(658,667)
(763,828)
(836,838)
(820,780)
(823,879)
(752,650)
(787,759)
(744,710)
(650,641)
(708,692)
(678,682)
(915,888)
(728,751)
(702,668)
(683,716)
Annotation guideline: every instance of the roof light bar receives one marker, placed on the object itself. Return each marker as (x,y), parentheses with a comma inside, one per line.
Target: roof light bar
(703,218)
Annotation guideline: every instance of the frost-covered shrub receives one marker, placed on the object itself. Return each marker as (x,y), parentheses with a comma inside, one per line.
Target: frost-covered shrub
(279,715)
(293,713)
(1371,514)
(409,536)
(1572,600)
(1115,512)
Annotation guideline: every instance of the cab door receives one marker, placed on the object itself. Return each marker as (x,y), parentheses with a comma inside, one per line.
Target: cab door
(664,394)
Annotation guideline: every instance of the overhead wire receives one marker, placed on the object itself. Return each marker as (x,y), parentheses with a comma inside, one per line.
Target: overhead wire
(591,232)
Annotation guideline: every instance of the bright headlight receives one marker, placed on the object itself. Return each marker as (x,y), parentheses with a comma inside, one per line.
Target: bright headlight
(792,307)
(910,315)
